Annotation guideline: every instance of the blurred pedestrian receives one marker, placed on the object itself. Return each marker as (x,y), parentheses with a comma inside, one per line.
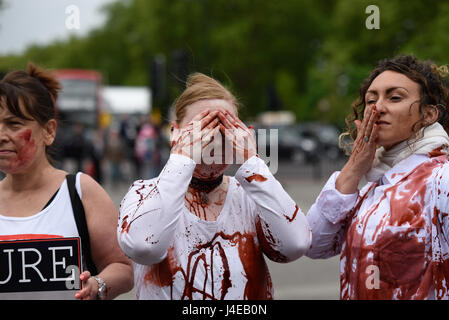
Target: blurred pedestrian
(115,154)
(162,150)
(145,149)
(392,234)
(77,145)
(97,154)
(36,203)
(197,234)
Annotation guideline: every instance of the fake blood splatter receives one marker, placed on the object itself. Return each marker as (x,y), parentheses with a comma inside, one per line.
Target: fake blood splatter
(195,205)
(258,285)
(125,225)
(396,245)
(268,242)
(256,177)
(437,152)
(25,153)
(290,219)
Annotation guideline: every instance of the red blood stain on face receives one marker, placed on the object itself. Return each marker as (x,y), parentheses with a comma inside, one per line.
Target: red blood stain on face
(256,177)
(396,247)
(26,136)
(258,285)
(25,152)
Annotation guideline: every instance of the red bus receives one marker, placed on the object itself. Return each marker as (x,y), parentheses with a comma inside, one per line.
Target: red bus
(79,108)
(79,101)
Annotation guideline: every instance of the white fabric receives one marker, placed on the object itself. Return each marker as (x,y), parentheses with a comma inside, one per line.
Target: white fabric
(180,256)
(429,138)
(413,202)
(56,219)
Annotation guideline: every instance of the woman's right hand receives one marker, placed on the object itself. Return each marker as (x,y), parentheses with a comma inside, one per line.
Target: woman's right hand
(362,155)
(191,139)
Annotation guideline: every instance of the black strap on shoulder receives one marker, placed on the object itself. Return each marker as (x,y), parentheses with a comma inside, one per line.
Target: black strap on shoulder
(81,224)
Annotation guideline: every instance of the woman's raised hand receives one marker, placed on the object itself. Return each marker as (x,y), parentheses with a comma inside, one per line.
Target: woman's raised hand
(362,155)
(191,139)
(239,135)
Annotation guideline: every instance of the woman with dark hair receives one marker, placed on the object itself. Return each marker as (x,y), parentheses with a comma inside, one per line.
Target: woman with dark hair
(392,234)
(36,201)
(197,234)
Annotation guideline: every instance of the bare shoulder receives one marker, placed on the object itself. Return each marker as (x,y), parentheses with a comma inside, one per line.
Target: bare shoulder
(89,186)
(93,194)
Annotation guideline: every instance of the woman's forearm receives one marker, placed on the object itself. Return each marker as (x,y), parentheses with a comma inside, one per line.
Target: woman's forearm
(118,278)
(348,180)
(284,228)
(150,211)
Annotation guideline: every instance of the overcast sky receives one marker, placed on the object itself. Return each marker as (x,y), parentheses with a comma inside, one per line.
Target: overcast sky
(25,22)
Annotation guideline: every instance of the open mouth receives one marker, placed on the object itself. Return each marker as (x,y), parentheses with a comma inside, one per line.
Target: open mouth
(379,123)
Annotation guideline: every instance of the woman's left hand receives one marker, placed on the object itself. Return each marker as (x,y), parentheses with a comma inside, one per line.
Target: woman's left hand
(90,287)
(236,132)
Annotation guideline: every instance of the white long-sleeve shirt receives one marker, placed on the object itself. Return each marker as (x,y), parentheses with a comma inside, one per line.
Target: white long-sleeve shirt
(177,255)
(392,235)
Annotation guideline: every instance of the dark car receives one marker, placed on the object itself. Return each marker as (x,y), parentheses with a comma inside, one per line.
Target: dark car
(326,135)
(292,145)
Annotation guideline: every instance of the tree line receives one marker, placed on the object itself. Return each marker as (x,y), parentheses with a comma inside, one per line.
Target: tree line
(307,56)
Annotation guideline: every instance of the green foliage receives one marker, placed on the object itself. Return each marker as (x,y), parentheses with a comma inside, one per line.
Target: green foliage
(315,52)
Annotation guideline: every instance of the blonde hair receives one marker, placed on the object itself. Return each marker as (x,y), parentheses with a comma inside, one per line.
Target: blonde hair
(201,87)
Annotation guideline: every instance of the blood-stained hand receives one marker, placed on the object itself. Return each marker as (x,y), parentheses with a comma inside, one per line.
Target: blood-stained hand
(197,132)
(364,149)
(241,137)
(363,153)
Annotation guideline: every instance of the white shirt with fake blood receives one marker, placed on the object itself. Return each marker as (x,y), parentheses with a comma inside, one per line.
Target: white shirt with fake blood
(180,256)
(392,235)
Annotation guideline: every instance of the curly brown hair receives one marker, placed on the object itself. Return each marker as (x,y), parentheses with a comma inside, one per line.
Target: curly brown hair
(434,91)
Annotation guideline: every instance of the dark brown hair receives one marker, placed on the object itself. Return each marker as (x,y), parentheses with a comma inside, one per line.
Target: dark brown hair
(429,76)
(30,94)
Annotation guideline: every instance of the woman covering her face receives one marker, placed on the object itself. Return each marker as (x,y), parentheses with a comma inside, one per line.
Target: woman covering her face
(197,234)
(35,197)
(393,233)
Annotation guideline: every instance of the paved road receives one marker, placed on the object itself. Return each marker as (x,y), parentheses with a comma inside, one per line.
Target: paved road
(301,279)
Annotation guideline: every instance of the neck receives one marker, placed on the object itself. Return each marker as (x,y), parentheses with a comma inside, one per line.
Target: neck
(205,185)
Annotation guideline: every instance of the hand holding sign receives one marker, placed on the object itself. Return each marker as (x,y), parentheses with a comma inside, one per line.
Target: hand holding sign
(90,287)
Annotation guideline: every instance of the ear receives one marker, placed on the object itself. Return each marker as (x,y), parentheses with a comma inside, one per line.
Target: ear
(174,131)
(431,114)
(174,125)
(50,132)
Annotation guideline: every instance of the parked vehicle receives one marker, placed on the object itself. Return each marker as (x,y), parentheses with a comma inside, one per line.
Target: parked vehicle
(79,108)
(292,144)
(327,137)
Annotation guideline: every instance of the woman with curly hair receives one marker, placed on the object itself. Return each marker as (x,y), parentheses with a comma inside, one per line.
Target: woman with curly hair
(392,234)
